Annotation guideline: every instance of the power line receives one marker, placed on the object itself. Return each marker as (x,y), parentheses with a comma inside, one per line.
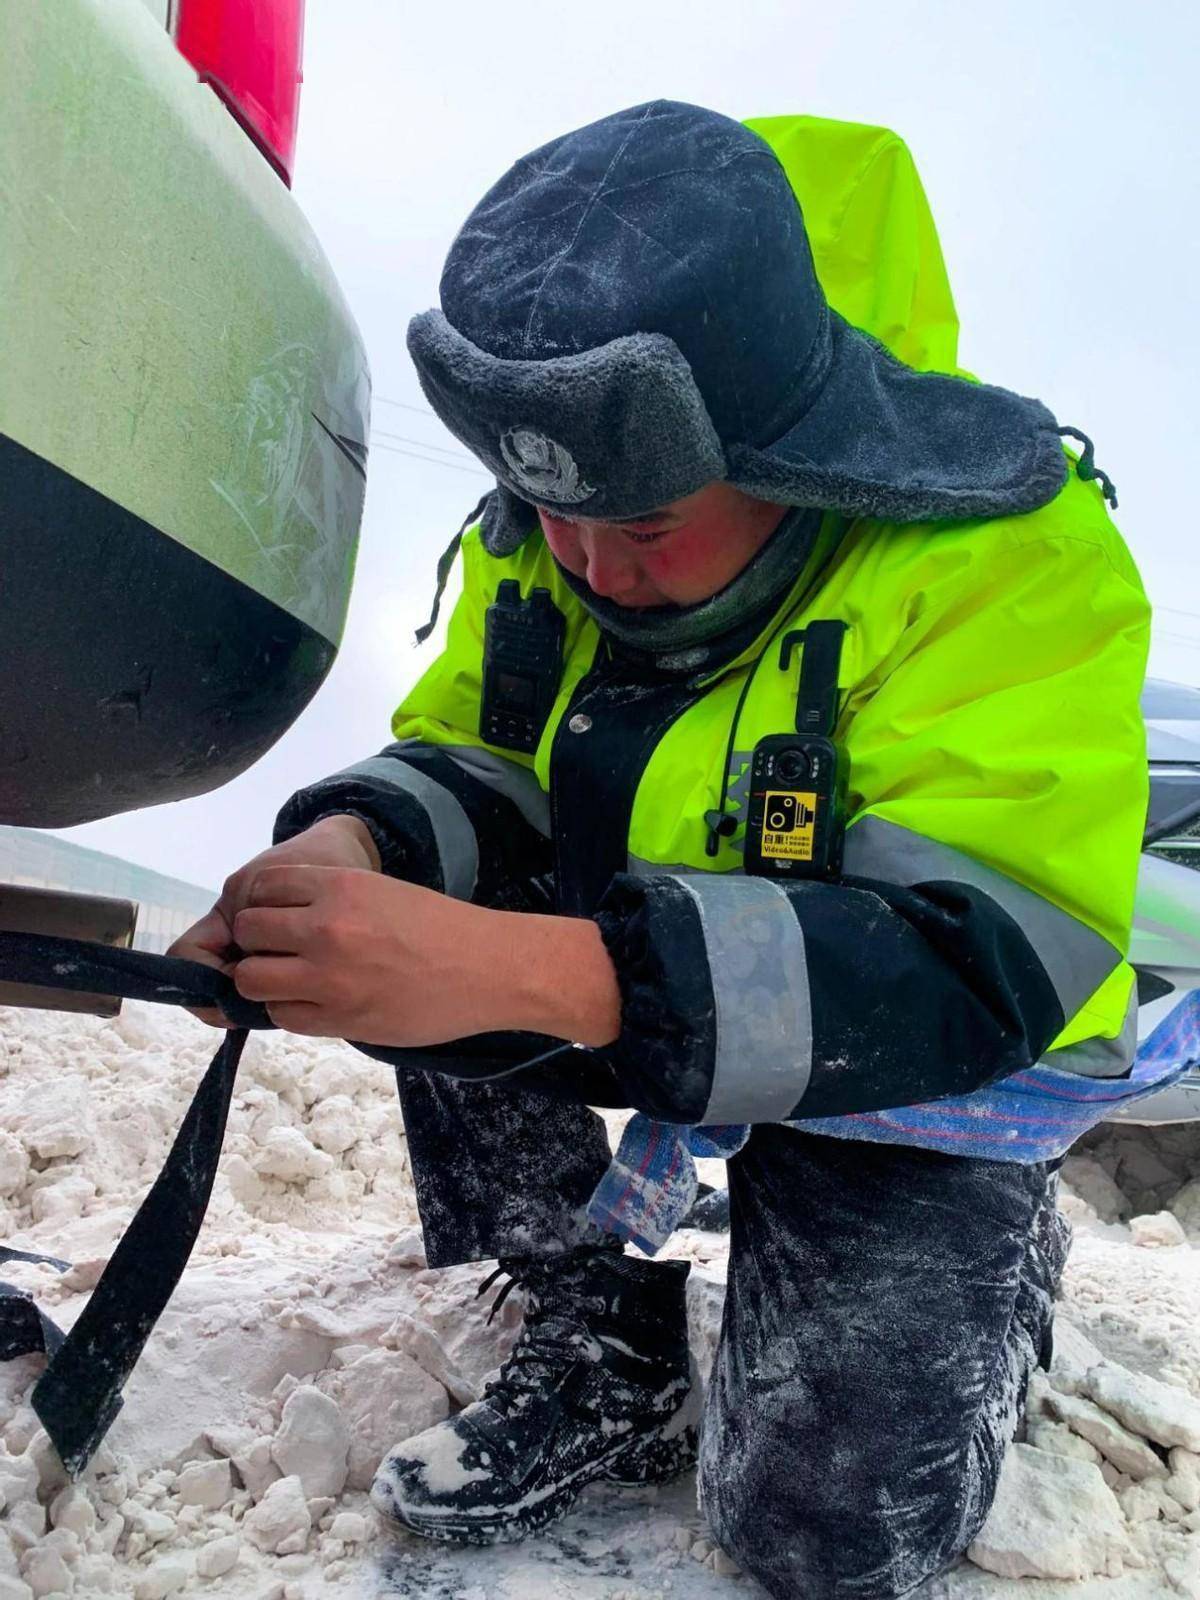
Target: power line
(1194,616)
(422,444)
(402,405)
(431,461)
(1179,638)
(458,460)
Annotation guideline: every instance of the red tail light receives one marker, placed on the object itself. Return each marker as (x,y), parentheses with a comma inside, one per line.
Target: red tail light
(250,51)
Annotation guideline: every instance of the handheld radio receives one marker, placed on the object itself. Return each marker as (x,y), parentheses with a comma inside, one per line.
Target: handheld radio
(796,821)
(522,666)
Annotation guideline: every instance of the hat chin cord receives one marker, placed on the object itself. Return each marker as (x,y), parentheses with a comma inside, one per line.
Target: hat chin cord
(1086,466)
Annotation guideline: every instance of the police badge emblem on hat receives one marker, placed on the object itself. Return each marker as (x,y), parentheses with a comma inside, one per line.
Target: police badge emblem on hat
(544,469)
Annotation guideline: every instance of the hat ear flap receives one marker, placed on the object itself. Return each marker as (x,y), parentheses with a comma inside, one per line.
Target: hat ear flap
(507,522)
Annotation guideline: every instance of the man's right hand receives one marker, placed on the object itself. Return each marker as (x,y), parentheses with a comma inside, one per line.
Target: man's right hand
(340,841)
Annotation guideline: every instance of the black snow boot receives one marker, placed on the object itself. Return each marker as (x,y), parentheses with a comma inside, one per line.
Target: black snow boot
(599,1385)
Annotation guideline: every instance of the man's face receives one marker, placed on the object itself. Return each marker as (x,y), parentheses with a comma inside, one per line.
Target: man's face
(679,555)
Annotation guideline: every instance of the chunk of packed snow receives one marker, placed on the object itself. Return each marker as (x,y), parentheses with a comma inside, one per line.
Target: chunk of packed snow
(162,1578)
(1095,1185)
(1139,1503)
(14,1164)
(1059,1440)
(1157,1410)
(218,1556)
(1185,1206)
(313,1442)
(1127,1452)
(251,1457)
(287,1154)
(1073,1357)
(1052,1518)
(18,1479)
(1184,1489)
(384,1398)
(46,1571)
(72,1509)
(335,1124)
(205,1483)
(1157,1229)
(280,1522)
(350,1527)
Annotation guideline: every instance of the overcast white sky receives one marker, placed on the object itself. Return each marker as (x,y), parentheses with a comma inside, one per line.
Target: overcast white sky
(1058,146)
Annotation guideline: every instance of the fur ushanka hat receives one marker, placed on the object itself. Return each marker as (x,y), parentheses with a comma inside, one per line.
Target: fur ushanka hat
(632,312)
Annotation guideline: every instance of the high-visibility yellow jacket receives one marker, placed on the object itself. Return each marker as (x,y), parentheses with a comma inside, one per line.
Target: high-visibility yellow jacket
(990,685)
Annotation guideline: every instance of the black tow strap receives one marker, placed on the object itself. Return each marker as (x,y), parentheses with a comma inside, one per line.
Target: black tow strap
(54,963)
(79,1393)
(22,1326)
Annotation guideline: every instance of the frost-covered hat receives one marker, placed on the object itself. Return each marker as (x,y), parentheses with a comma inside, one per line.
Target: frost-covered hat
(632,312)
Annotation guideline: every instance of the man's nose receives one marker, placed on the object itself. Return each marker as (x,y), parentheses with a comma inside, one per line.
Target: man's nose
(611,571)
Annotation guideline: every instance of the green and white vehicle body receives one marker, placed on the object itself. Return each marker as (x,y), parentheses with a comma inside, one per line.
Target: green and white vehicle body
(183,418)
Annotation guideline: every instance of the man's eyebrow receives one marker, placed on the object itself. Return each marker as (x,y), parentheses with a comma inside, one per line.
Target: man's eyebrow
(646,516)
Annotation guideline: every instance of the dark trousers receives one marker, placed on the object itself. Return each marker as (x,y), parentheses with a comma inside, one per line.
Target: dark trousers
(885,1309)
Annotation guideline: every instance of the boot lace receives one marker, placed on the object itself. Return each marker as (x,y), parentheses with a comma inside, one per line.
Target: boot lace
(556,1329)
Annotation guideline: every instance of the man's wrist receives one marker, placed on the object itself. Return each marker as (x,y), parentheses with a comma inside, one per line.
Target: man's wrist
(560,979)
(353,827)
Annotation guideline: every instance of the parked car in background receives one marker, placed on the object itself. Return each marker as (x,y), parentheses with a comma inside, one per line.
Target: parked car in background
(1166,931)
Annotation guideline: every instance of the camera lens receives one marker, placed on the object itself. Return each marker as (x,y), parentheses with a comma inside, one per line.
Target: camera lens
(791,764)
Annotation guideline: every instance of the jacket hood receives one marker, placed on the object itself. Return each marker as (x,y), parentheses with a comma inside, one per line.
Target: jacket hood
(874,242)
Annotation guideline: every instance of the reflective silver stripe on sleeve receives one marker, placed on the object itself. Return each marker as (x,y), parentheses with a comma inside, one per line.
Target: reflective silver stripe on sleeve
(1077,959)
(514,782)
(641,868)
(756,962)
(457,846)
(1100,1058)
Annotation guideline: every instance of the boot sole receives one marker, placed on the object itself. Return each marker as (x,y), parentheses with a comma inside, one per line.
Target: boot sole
(656,1458)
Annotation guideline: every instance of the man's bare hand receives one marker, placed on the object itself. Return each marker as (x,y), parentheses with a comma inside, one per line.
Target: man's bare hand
(332,842)
(354,955)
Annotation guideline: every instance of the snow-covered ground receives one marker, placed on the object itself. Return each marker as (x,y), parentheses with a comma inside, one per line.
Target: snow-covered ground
(307,1336)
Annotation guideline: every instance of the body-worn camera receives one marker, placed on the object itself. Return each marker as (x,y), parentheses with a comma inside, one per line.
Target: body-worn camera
(795,824)
(522,666)
(796,821)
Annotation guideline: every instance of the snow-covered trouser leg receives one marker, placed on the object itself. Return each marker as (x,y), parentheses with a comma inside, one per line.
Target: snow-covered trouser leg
(499,1171)
(886,1306)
